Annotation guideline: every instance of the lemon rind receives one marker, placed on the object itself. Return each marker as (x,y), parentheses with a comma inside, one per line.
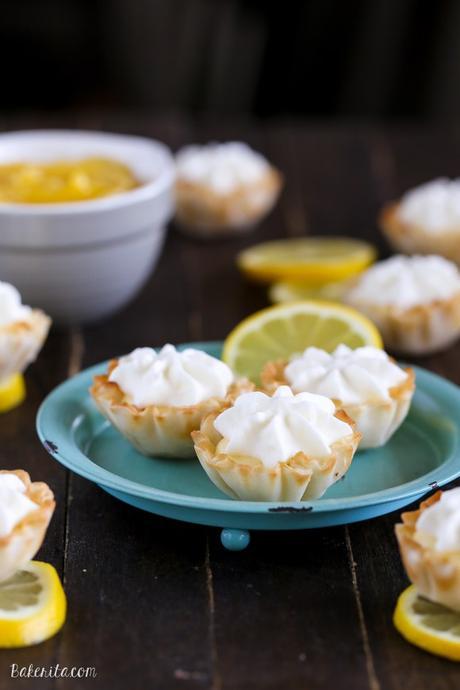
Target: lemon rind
(420,635)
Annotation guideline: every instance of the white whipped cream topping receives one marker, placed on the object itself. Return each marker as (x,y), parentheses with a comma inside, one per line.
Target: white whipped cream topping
(221,167)
(434,206)
(11,309)
(169,377)
(438,526)
(273,429)
(349,376)
(14,504)
(406,281)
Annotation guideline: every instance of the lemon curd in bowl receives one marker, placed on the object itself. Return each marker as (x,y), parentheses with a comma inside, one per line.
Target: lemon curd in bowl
(77,244)
(63,181)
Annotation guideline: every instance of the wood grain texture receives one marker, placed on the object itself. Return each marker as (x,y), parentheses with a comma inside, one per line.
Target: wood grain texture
(160,604)
(19,450)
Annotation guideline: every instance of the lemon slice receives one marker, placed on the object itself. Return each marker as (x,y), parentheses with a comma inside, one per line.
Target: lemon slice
(428,625)
(12,392)
(32,605)
(285,329)
(313,260)
(293,292)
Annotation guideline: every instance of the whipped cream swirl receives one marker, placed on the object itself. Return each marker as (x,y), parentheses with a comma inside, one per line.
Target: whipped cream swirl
(406,281)
(273,429)
(221,167)
(438,526)
(434,206)
(170,377)
(11,308)
(347,376)
(14,504)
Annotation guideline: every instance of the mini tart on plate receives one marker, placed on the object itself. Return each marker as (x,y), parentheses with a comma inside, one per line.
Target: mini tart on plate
(301,476)
(435,573)
(22,543)
(377,409)
(157,429)
(21,341)
(414,302)
(426,220)
(223,188)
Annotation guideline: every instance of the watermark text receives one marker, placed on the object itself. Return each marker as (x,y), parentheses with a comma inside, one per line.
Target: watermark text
(55,671)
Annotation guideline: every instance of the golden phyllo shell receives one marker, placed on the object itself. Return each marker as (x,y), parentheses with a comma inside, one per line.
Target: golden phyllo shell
(411,238)
(300,478)
(156,430)
(23,542)
(202,210)
(436,574)
(21,341)
(421,329)
(375,420)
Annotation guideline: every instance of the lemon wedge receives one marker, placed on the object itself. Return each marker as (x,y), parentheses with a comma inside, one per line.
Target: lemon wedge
(294,292)
(285,329)
(32,605)
(428,625)
(12,392)
(312,260)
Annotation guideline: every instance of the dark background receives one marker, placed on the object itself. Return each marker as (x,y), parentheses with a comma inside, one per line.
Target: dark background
(369,59)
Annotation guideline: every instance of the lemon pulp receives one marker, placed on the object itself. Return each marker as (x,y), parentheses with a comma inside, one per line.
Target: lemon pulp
(286,329)
(312,260)
(428,625)
(12,392)
(294,292)
(32,605)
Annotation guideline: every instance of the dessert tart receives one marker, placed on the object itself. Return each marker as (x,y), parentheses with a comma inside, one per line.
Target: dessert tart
(156,399)
(283,447)
(25,511)
(429,541)
(223,188)
(366,383)
(414,302)
(22,332)
(426,220)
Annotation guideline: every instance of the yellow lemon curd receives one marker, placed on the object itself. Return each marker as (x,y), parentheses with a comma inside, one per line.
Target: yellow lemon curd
(63,181)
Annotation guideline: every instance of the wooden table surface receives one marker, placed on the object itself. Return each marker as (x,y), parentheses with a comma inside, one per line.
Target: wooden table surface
(160,604)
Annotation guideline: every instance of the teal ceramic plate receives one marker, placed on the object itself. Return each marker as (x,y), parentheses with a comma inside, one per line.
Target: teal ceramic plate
(423,454)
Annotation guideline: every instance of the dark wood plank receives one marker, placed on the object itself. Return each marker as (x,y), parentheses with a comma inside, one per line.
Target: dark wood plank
(285,614)
(381,578)
(137,582)
(20,448)
(276,605)
(399,160)
(138,598)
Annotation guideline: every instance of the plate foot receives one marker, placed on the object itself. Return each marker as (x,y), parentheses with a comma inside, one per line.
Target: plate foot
(235,539)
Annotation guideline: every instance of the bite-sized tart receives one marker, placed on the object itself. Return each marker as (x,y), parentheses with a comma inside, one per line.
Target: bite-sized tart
(25,512)
(414,301)
(426,220)
(222,188)
(429,541)
(156,399)
(366,383)
(22,332)
(283,447)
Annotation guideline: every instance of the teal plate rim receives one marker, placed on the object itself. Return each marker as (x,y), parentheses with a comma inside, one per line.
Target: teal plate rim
(75,459)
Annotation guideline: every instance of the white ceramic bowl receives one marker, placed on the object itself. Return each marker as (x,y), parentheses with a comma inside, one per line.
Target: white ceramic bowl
(80,261)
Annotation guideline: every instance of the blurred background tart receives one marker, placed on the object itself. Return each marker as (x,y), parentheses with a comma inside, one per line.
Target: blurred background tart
(426,220)
(223,188)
